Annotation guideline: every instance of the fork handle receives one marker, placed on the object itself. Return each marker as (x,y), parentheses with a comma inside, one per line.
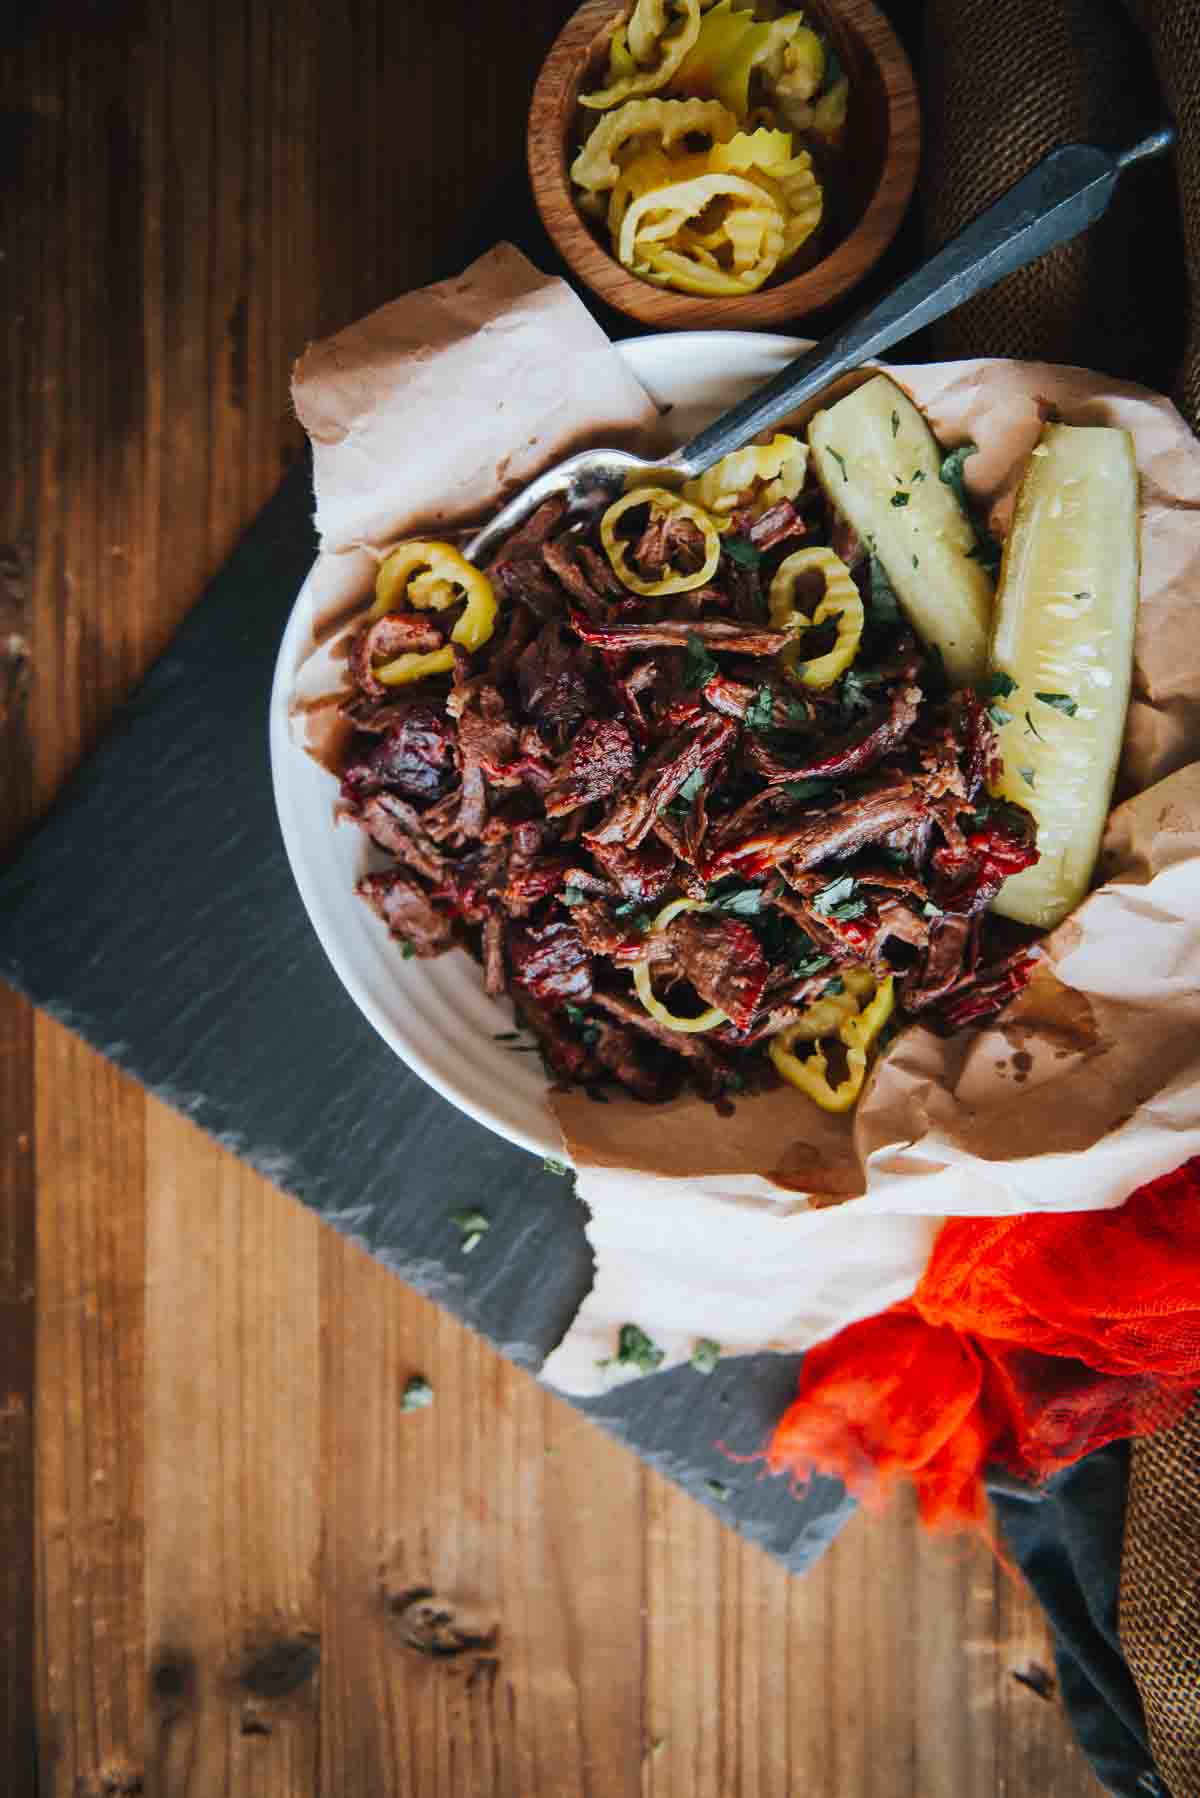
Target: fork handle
(1065,193)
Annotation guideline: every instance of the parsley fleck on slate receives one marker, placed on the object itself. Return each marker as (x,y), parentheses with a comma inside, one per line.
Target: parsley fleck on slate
(635,1349)
(550,1163)
(706,1354)
(717,1489)
(417,1395)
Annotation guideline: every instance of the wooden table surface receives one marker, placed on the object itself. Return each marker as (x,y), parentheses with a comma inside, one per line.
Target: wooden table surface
(212,1530)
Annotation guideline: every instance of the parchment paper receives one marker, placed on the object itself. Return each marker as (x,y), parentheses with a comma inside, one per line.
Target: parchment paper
(1088,1084)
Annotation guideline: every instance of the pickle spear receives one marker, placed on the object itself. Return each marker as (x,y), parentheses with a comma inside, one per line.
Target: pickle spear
(880,466)
(1062,656)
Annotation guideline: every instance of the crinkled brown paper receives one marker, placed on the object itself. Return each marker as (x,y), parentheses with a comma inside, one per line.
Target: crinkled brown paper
(1086,1086)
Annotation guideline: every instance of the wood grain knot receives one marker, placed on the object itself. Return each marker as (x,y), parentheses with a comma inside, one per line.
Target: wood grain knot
(172,1682)
(437,1626)
(117,1778)
(284,1666)
(15,629)
(1039,1681)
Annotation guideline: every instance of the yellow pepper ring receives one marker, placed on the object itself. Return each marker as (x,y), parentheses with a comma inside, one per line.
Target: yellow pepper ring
(647,30)
(840,601)
(660,500)
(707,1020)
(858,1032)
(431,576)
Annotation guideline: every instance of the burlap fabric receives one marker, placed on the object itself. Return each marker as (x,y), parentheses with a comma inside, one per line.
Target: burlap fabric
(1008,81)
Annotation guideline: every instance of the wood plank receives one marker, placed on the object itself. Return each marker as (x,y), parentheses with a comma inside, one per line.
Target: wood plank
(233,1505)
(90,1356)
(522,1520)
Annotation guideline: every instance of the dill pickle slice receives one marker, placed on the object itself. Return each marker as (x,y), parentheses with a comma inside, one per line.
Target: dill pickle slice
(1066,608)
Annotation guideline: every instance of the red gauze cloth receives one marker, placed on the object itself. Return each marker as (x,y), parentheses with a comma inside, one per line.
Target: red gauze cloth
(1029,1342)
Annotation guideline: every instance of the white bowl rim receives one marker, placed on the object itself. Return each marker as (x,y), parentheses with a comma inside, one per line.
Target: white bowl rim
(655,359)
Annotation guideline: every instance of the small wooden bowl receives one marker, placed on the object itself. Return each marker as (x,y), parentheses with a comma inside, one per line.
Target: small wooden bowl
(883,150)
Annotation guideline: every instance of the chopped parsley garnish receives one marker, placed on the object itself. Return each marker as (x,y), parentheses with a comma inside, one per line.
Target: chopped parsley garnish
(717,1489)
(505,1036)
(885,607)
(999,714)
(918,474)
(836,985)
(588,1034)
(742,902)
(741,551)
(836,893)
(900,499)
(916,562)
(635,1349)
(698,665)
(573,896)
(706,1354)
(1000,685)
(855,682)
(760,713)
(407,951)
(930,910)
(552,1165)
(895,423)
(840,460)
(417,1395)
(681,805)
(635,911)
(1031,729)
(1027,776)
(812,963)
(1062,702)
(813,787)
(472,1225)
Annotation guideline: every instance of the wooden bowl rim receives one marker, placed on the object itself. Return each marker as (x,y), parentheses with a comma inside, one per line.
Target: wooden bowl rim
(804,293)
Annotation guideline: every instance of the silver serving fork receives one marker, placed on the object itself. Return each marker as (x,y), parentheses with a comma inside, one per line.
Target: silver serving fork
(1062,196)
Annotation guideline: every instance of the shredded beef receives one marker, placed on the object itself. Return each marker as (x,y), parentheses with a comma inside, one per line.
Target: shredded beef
(671,765)
(722,959)
(599,762)
(414,758)
(408,911)
(606,752)
(551,962)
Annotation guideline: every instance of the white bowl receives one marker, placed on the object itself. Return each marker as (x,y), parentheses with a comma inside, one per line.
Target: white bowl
(435,1014)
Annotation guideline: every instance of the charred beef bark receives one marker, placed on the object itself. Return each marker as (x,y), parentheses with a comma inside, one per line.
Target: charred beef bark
(472,882)
(644,873)
(552,679)
(600,760)
(415,758)
(408,911)
(532,879)
(776,525)
(804,839)
(723,960)
(551,962)
(671,765)
(853,753)
(564,558)
(981,994)
(971,868)
(618,1049)
(943,965)
(709,1068)
(669,633)
(565,1053)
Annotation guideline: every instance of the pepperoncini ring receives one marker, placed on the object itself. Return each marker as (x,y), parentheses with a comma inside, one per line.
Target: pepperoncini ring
(728,47)
(652,210)
(840,600)
(705,1020)
(660,500)
(646,31)
(597,167)
(728,484)
(858,1032)
(430,576)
